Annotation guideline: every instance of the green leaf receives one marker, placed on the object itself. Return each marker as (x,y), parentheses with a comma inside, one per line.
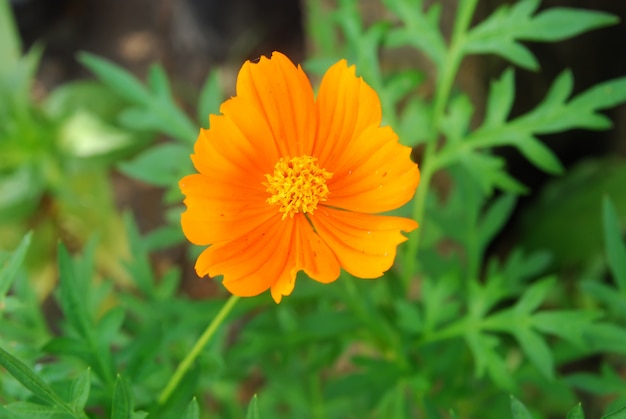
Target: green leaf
(253,409)
(560,23)
(116,78)
(606,383)
(576,412)
(139,267)
(8,270)
(420,29)
(28,410)
(414,123)
(519,410)
(489,171)
(122,407)
(501,96)
(618,414)
(110,324)
(409,317)
(606,337)
(211,97)
(27,377)
(79,391)
(499,33)
(535,347)
(161,165)
(555,115)
(534,296)
(570,325)
(10,40)
(158,82)
(71,347)
(614,244)
(71,299)
(495,217)
(401,84)
(539,155)
(192,411)
(456,123)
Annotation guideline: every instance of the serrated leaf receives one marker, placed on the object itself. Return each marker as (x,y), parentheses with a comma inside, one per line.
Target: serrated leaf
(409,317)
(158,82)
(576,412)
(27,377)
(420,29)
(499,33)
(139,267)
(534,296)
(580,112)
(192,411)
(79,391)
(10,40)
(71,347)
(483,347)
(560,23)
(569,325)
(161,165)
(71,299)
(559,92)
(253,409)
(488,171)
(495,217)
(519,410)
(141,119)
(8,269)
(110,324)
(606,383)
(456,123)
(122,405)
(520,267)
(536,349)
(414,124)
(615,246)
(401,84)
(28,410)
(606,337)
(211,96)
(539,155)
(116,78)
(501,96)
(618,414)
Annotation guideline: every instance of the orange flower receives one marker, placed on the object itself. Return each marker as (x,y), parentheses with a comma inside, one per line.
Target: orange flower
(292,183)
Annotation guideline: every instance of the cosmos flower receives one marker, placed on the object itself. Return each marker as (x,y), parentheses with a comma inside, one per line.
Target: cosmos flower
(288,182)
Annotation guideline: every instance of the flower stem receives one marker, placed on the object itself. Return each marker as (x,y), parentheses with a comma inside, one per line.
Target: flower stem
(186,363)
(442,94)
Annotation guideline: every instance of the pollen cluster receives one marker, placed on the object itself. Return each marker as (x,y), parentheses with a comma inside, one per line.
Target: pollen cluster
(298,184)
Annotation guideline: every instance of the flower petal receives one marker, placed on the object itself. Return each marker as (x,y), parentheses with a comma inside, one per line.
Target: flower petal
(364,244)
(270,256)
(309,254)
(225,146)
(284,96)
(346,106)
(252,263)
(218,211)
(373,174)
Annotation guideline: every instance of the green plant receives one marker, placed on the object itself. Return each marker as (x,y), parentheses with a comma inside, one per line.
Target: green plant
(450,332)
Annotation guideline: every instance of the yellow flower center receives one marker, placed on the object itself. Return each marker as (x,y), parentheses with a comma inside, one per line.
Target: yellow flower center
(297,185)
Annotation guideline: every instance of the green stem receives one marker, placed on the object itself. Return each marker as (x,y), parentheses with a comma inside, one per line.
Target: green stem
(442,95)
(184,366)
